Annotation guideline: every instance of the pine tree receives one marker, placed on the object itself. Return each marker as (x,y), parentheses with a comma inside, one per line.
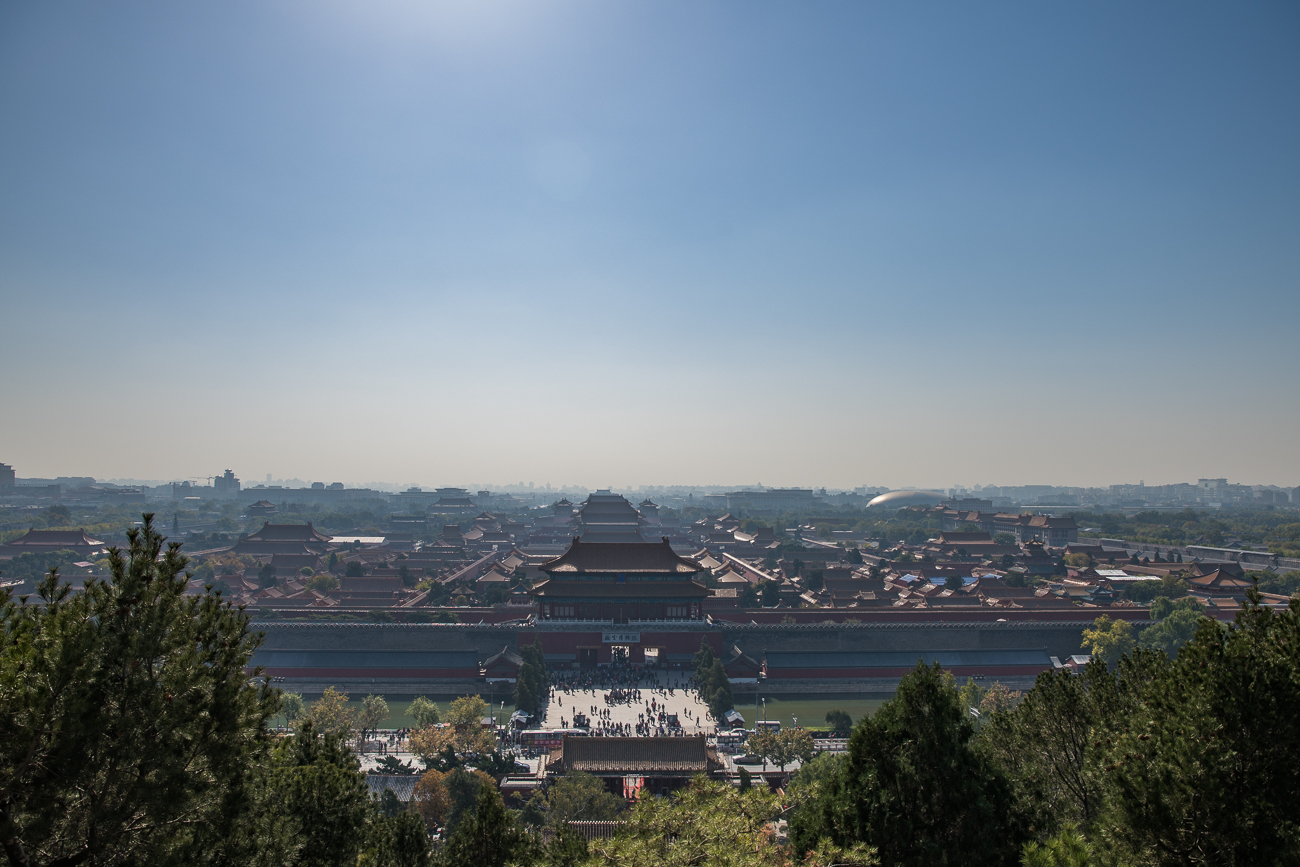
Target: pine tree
(488,837)
(913,786)
(129,729)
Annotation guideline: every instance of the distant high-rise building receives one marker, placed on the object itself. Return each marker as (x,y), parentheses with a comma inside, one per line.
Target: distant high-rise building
(225,485)
(6,477)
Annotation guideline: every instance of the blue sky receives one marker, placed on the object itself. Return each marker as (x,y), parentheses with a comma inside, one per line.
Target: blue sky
(659,243)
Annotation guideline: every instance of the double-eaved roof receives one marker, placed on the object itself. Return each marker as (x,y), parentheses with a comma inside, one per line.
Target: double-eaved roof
(286,533)
(621,558)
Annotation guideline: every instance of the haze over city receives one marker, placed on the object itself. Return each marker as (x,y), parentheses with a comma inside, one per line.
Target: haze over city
(634,434)
(631,244)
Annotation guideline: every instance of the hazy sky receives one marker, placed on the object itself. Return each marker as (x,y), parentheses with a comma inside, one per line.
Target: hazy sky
(651,243)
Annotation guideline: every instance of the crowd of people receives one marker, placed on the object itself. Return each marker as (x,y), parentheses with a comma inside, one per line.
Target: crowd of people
(622,684)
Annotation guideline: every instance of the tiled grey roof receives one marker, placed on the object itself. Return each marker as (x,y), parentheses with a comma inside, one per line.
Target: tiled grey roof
(631,755)
(402,785)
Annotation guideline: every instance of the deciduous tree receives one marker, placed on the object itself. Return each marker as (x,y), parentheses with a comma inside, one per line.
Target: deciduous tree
(1108,639)
(330,713)
(374,710)
(424,712)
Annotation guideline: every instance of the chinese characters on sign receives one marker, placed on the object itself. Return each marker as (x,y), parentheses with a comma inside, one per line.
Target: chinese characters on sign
(621,637)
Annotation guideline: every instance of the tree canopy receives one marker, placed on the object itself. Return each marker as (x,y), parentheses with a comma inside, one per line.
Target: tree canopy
(914,787)
(129,730)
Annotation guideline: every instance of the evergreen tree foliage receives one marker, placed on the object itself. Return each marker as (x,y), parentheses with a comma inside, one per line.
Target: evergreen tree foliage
(532,684)
(913,786)
(573,797)
(398,840)
(1202,769)
(567,848)
(488,836)
(711,681)
(1046,746)
(1067,849)
(129,730)
(315,783)
(839,720)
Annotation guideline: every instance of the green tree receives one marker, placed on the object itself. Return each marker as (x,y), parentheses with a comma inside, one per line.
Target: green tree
(913,786)
(703,658)
(266,575)
(782,747)
(315,784)
(705,824)
(839,720)
(330,713)
(374,710)
(1172,632)
(58,516)
(525,699)
(488,836)
(574,796)
(566,848)
(1046,746)
(712,682)
(718,697)
(1067,849)
(130,731)
(1108,639)
(396,840)
(749,596)
(771,594)
(424,712)
(389,803)
(354,569)
(323,583)
(1201,769)
(291,705)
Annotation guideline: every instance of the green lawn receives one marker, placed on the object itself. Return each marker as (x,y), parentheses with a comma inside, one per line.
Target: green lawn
(810,709)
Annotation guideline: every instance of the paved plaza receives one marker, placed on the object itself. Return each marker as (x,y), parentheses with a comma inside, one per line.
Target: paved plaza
(666,689)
